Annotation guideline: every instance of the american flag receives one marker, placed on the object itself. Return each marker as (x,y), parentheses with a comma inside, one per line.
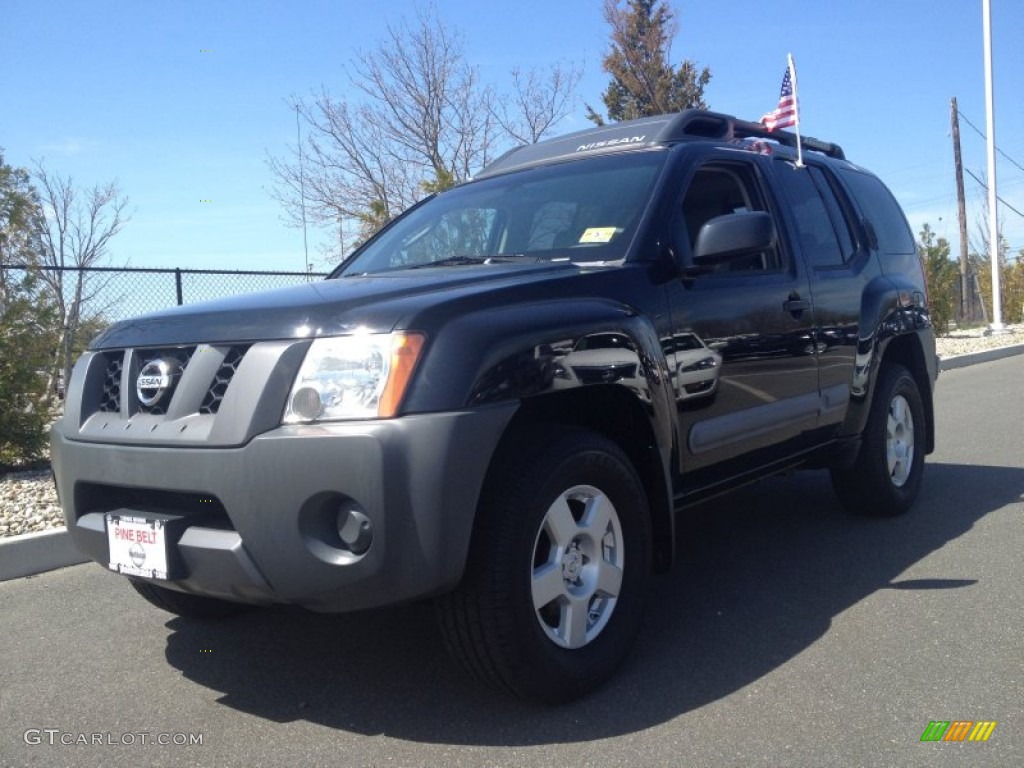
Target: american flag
(783,115)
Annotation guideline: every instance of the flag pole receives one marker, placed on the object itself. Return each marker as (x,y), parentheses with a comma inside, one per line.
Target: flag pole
(796,107)
(996,325)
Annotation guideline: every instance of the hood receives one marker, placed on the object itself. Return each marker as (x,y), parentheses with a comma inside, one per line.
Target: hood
(333,307)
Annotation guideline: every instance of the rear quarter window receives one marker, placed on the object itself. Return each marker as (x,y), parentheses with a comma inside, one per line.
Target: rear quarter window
(882,211)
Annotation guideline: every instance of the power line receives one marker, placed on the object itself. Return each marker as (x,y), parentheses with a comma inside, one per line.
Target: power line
(978,131)
(949,196)
(985,187)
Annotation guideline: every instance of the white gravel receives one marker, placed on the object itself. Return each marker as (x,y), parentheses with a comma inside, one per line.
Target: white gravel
(28,500)
(28,503)
(975,340)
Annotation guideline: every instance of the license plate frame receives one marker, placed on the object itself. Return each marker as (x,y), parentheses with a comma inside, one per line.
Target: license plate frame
(139,545)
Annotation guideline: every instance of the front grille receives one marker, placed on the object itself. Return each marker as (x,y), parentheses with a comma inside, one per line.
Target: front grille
(110,401)
(201,508)
(174,395)
(219,386)
(181,355)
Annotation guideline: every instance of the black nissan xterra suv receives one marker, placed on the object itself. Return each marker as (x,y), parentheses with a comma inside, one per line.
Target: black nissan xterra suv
(504,398)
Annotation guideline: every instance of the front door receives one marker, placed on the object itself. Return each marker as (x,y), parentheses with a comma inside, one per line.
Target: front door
(743,352)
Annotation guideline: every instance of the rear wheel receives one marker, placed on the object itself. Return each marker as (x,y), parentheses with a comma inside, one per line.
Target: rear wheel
(188,605)
(551,599)
(885,478)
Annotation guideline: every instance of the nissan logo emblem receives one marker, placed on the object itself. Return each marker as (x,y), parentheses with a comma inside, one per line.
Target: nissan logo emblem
(155,378)
(138,555)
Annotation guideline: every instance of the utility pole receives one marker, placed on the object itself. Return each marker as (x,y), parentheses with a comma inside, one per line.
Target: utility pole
(966,292)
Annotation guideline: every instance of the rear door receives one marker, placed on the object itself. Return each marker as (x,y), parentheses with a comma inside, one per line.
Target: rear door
(821,222)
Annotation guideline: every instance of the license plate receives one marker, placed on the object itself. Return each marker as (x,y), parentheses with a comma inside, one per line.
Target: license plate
(138,546)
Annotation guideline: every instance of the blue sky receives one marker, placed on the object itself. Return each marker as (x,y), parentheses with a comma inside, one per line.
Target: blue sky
(126,90)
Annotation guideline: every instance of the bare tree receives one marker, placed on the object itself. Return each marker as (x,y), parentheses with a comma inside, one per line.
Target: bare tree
(1011,271)
(416,121)
(537,102)
(344,171)
(74,229)
(427,98)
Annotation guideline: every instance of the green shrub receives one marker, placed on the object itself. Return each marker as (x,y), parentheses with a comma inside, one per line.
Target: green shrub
(941,276)
(26,356)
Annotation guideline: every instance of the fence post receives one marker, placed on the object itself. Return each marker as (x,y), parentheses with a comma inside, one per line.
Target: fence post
(177,284)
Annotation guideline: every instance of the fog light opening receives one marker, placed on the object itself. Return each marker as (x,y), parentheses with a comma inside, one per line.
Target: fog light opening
(354,529)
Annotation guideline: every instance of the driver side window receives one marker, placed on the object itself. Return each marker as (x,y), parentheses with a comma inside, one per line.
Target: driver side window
(718,190)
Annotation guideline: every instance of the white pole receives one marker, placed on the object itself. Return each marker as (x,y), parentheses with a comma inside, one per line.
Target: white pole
(302,190)
(796,106)
(993,213)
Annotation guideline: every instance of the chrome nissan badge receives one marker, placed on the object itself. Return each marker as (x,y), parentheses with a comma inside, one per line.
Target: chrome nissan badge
(155,378)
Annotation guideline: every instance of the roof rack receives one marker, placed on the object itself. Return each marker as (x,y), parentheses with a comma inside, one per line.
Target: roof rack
(744,130)
(651,131)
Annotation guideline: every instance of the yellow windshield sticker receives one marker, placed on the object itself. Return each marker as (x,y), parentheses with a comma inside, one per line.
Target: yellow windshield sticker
(597,235)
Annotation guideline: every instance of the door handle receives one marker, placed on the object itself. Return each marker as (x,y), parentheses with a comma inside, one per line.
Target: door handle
(795,305)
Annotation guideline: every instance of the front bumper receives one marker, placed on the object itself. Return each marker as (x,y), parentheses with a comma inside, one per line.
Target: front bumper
(417,478)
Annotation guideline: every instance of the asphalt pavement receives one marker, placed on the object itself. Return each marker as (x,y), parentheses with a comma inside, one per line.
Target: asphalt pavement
(790,634)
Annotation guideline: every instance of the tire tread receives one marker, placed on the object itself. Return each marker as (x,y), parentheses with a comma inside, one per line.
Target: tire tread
(862,488)
(475,619)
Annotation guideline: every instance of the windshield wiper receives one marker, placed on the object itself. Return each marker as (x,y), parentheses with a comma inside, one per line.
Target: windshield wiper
(455,261)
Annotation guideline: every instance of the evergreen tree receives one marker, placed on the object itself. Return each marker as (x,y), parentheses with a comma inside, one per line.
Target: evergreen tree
(26,317)
(942,277)
(644,82)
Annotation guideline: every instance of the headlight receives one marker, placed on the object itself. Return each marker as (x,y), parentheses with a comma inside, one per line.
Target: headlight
(363,376)
(701,365)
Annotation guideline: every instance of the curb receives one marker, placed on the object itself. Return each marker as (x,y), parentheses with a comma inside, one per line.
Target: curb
(985,356)
(32,553)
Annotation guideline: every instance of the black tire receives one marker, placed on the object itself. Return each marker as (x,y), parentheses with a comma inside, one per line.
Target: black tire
(187,605)
(490,622)
(871,487)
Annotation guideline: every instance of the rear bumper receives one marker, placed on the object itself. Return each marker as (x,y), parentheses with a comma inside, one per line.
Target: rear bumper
(416,478)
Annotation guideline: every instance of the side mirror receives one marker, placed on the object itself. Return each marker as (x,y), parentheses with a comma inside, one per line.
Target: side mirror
(733,236)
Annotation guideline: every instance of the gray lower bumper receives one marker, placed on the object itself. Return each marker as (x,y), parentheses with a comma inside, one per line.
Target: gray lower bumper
(417,479)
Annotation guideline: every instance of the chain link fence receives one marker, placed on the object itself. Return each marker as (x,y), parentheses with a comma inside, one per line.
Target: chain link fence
(119,293)
(48,315)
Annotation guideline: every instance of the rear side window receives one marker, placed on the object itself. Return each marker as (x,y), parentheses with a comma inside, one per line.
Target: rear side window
(882,212)
(840,222)
(814,225)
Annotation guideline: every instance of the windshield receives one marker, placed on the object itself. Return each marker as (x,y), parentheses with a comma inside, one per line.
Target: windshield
(585,210)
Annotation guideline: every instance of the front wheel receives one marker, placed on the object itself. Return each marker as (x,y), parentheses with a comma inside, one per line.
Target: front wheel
(886,476)
(551,599)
